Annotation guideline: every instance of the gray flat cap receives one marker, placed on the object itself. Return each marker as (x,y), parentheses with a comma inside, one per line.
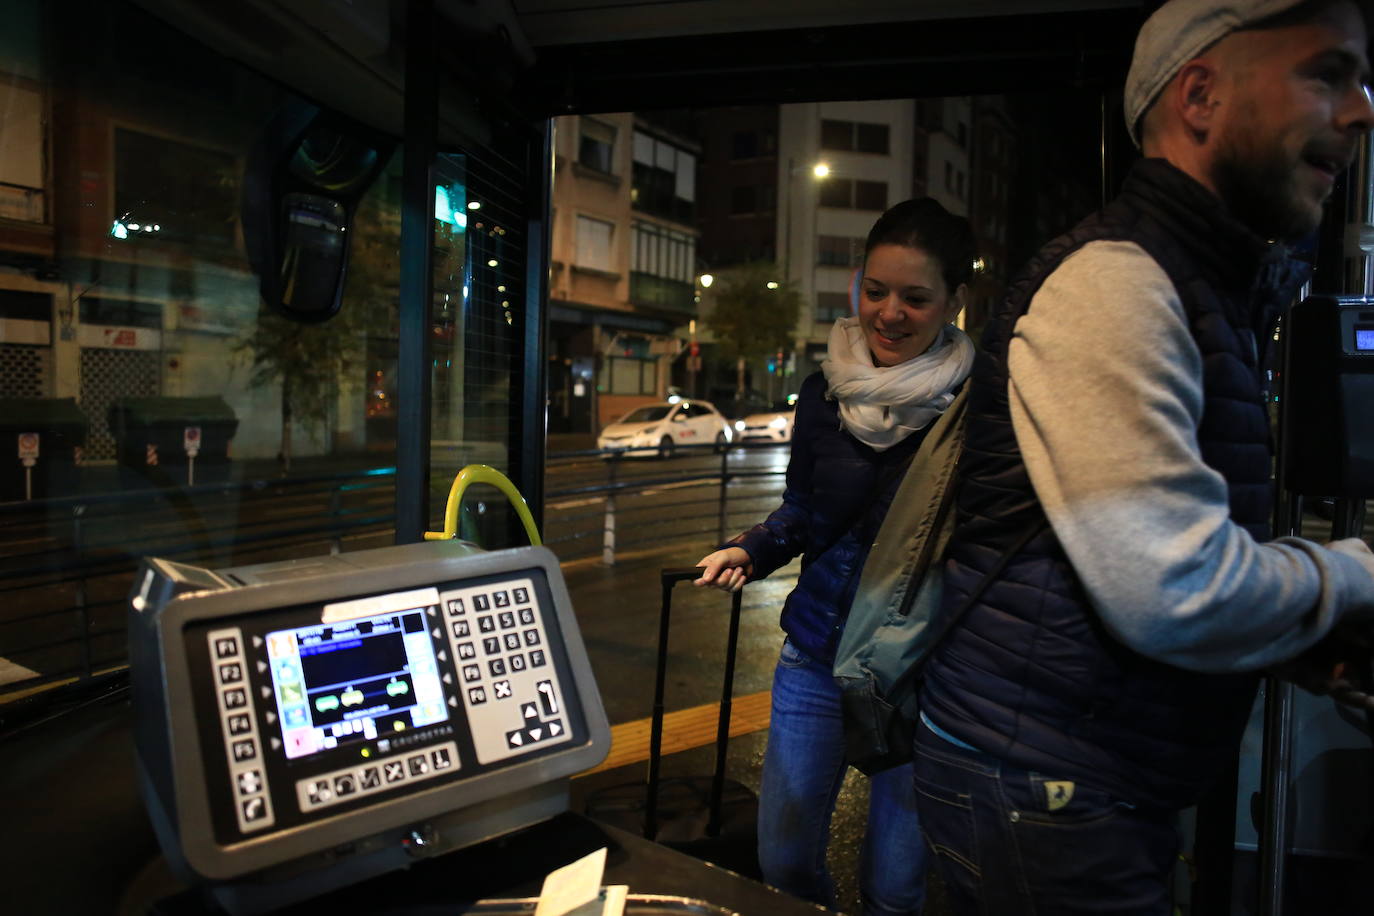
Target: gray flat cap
(1179,31)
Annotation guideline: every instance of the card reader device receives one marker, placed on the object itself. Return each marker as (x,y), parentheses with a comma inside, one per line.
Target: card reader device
(309,723)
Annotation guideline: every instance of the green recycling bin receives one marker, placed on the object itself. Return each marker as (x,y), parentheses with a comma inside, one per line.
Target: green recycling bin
(172,442)
(42,436)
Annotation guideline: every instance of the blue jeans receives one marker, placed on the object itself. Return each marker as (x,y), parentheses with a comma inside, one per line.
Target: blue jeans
(1010,842)
(802,772)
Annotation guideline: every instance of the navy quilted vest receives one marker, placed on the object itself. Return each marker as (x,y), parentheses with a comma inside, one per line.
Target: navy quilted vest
(1030,675)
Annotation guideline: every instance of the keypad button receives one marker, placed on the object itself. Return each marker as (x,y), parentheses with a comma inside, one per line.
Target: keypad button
(497,667)
(486,624)
(254,809)
(481,602)
(491,645)
(461,629)
(345,784)
(526,616)
(394,771)
(512,641)
(440,758)
(531,637)
(517,662)
(521,596)
(501,690)
(369,778)
(419,765)
(249,782)
(320,792)
(507,620)
(502,598)
(537,659)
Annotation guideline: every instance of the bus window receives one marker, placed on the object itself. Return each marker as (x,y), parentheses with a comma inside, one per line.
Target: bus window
(151,402)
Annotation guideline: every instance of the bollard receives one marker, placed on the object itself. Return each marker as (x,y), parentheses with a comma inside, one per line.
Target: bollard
(724,480)
(608,528)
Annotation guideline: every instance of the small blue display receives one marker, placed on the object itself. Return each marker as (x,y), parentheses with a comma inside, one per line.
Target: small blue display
(1364,340)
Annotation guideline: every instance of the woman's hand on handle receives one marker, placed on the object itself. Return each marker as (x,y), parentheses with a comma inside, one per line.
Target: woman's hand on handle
(726,569)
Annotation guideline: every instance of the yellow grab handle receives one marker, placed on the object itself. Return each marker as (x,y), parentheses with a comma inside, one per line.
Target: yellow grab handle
(482,473)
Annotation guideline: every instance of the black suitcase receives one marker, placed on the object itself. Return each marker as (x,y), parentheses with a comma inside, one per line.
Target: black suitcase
(713,819)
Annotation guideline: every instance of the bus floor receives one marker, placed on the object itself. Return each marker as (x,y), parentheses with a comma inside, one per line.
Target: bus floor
(689,755)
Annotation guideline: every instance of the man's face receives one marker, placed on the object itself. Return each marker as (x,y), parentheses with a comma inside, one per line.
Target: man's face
(1295,105)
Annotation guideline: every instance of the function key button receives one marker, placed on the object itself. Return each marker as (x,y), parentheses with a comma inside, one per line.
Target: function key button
(230,673)
(537,659)
(226,647)
(486,624)
(472,673)
(455,607)
(346,784)
(497,667)
(320,792)
(526,616)
(235,698)
(481,603)
(254,809)
(441,759)
(531,637)
(240,724)
(491,645)
(507,620)
(245,749)
(477,695)
(394,771)
(502,598)
(467,650)
(521,596)
(419,765)
(461,629)
(369,778)
(517,662)
(249,782)
(512,641)
(501,690)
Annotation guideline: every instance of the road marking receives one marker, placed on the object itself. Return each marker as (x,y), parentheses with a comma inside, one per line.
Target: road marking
(576,503)
(678,486)
(684,730)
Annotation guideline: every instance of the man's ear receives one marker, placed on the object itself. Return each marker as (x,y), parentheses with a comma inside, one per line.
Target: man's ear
(1194,94)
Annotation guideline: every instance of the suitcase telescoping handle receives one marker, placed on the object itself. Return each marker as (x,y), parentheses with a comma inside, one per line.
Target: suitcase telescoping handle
(669,578)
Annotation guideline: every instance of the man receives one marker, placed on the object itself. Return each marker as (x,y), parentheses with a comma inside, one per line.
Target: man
(1116,598)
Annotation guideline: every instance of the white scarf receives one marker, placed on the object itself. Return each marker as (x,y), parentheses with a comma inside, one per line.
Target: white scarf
(882,405)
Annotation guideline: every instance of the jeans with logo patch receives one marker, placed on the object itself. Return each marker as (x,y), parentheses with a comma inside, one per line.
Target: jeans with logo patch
(803,769)
(1011,842)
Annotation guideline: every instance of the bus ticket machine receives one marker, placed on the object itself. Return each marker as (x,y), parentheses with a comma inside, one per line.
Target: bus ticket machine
(304,725)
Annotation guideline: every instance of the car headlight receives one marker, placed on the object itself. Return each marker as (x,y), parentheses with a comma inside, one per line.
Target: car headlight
(739,425)
(778,422)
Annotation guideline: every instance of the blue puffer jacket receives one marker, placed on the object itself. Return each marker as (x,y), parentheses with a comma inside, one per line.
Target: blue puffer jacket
(838,491)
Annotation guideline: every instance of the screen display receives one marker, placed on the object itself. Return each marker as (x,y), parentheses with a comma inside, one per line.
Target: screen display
(351,681)
(1364,339)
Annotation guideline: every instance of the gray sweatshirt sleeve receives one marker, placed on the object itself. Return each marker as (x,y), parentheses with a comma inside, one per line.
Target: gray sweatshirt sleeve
(1106,397)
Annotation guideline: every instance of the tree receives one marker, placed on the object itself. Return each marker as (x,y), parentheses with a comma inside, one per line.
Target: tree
(755,315)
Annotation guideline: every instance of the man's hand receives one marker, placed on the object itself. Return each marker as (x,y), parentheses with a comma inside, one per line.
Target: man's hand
(1337,667)
(726,569)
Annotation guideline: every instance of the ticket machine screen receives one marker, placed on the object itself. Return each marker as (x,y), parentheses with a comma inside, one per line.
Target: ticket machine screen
(1364,339)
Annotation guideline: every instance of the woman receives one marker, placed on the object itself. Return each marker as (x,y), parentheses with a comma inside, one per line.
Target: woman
(889,373)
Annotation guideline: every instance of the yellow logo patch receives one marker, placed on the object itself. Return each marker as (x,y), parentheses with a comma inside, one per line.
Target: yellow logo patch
(1058,793)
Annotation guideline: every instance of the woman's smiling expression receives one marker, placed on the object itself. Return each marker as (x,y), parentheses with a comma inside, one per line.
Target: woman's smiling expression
(904,303)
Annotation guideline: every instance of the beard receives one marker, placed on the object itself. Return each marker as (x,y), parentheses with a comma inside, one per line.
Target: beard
(1261,187)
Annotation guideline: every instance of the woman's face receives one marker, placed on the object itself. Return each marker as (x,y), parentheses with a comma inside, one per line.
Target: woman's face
(904,303)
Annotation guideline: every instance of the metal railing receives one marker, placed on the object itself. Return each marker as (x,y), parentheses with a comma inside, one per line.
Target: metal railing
(733,496)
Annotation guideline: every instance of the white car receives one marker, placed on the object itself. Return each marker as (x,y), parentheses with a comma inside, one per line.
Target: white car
(769,426)
(660,428)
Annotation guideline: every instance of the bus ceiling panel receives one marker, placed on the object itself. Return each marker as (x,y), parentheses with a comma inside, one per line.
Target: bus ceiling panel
(550,23)
(968,56)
